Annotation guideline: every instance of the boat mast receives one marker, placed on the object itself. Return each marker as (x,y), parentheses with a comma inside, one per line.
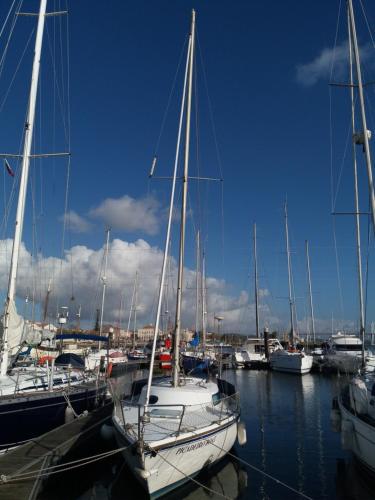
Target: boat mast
(310,291)
(363,113)
(204,306)
(46,302)
(176,349)
(197,291)
(166,260)
(135,307)
(291,302)
(29,127)
(104,281)
(256,282)
(131,307)
(356,198)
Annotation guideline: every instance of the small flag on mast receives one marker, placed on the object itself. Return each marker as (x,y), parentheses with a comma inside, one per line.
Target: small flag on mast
(8,167)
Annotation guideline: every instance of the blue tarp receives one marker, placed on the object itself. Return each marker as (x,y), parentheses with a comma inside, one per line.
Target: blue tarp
(195,340)
(81,336)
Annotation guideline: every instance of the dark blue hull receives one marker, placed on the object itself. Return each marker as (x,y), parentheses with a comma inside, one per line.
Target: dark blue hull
(25,417)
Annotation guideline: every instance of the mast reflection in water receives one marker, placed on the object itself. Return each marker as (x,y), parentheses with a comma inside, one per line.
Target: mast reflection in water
(288,435)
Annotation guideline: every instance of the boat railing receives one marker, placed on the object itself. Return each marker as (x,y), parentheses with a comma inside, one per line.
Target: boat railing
(174,419)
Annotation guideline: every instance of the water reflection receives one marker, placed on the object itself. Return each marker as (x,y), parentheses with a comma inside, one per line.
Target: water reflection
(289,437)
(352,482)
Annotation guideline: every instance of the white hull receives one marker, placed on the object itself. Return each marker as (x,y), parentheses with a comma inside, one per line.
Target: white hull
(183,457)
(291,362)
(359,437)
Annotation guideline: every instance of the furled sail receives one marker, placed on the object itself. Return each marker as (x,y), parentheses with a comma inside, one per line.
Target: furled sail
(19,330)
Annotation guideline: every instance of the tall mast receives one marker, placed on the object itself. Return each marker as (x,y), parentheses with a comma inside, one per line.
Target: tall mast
(131,308)
(104,280)
(197,285)
(310,291)
(166,260)
(29,127)
(183,210)
(204,306)
(363,113)
(46,302)
(135,307)
(291,302)
(356,198)
(256,283)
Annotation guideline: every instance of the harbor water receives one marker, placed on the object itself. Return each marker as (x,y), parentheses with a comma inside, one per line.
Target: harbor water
(289,437)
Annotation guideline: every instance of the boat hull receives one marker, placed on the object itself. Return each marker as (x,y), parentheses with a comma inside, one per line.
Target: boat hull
(361,437)
(291,362)
(25,417)
(174,464)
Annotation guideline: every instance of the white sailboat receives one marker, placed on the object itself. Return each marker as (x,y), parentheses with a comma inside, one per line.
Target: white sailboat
(356,402)
(291,360)
(173,427)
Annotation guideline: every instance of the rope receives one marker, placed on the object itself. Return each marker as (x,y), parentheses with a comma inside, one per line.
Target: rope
(330,104)
(367,23)
(62,467)
(66,397)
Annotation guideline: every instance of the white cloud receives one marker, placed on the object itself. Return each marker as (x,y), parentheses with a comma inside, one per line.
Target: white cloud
(319,68)
(76,223)
(81,267)
(129,214)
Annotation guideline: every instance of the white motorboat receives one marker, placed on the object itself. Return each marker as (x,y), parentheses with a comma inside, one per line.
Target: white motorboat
(343,353)
(252,354)
(241,357)
(291,362)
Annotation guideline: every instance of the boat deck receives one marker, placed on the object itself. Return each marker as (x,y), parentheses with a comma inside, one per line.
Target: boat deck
(166,422)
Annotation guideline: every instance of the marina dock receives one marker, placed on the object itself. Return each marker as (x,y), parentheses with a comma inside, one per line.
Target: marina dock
(45,451)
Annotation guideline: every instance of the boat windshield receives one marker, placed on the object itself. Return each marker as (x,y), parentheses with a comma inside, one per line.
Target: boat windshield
(348,347)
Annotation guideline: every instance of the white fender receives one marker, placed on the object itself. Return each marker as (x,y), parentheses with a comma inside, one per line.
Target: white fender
(241,434)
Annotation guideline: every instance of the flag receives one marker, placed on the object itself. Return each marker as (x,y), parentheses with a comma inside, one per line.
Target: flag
(8,167)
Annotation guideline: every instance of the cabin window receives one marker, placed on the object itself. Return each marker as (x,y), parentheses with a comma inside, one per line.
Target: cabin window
(153,399)
(216,398)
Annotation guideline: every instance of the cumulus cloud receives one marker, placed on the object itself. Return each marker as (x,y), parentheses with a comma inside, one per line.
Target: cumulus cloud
(129,214)
(76,223)
(310,73)
(78,275)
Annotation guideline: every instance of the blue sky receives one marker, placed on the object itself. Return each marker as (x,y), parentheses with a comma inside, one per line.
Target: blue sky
(267,78)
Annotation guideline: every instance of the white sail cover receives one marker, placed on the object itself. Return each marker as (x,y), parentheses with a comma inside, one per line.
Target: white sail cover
(19,330)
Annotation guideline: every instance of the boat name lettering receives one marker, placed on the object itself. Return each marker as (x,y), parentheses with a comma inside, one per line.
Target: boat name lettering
(195,446)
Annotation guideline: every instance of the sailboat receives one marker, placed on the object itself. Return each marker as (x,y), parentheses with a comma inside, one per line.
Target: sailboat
(356,403)
(172,427)
(291,360)
(35,399)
